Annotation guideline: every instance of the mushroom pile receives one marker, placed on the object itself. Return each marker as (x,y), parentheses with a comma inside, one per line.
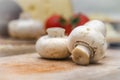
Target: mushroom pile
(86,43)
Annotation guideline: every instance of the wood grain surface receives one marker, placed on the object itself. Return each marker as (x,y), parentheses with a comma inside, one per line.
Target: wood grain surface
(10,46)
(33,67)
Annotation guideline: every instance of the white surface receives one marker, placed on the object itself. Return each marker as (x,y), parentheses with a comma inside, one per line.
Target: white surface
(97,6)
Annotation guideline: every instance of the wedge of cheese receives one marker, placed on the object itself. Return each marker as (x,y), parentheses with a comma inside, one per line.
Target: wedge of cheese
(42,9)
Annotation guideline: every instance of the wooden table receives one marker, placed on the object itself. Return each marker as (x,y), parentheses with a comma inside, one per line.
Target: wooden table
(10,46)
(33,67)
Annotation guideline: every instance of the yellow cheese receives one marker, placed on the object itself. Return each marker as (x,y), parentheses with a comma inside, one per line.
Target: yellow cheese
(42,9)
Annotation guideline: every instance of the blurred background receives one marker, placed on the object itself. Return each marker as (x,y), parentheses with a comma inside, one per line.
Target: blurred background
(104,10)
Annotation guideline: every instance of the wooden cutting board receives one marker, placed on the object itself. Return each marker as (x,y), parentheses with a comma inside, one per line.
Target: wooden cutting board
(33,67)
(9,46)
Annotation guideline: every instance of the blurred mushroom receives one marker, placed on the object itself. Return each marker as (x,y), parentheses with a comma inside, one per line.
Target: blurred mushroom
(26,28)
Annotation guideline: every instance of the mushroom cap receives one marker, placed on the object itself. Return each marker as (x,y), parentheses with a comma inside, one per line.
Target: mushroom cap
(97,25)
(52,48)
(91,37)
(26,29)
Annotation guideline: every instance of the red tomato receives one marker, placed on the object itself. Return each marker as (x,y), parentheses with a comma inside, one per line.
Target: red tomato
(55,21)
(78,19)
(68,28)
(58,21)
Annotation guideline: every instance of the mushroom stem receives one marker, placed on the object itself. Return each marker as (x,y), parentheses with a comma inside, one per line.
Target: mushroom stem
(56,32)
(81,55)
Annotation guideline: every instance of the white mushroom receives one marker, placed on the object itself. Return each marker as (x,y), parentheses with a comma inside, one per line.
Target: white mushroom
(53,45)
(86,44)
(97,25)
(26,28)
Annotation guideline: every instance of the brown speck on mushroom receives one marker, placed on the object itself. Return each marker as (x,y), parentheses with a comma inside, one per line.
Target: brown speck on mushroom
(88,29)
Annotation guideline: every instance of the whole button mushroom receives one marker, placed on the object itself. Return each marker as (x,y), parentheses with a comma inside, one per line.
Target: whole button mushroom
(9,10)
(87,44)
(53,45)
(26,28)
